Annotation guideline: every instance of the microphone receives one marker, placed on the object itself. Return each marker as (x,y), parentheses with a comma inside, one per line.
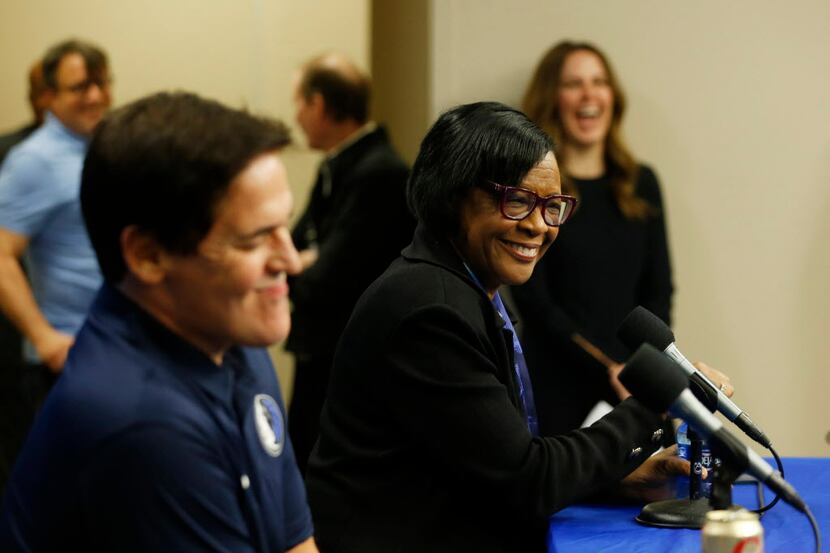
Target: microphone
(643,326)
(661,386)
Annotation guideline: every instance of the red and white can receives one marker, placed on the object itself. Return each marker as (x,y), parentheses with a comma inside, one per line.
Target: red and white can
(732,531)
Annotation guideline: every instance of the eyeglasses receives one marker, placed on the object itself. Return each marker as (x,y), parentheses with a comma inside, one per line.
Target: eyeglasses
(84,86)
(517,203)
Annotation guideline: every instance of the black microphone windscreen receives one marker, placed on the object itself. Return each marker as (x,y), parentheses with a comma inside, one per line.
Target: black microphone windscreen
(654,379)
(641,325)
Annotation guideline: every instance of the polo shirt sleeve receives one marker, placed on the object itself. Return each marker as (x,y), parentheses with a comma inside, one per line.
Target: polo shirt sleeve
(298,525)
(27,192)
(284,495)
(157,488)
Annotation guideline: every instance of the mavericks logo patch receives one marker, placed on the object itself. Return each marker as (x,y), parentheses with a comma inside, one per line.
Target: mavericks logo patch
(269,424)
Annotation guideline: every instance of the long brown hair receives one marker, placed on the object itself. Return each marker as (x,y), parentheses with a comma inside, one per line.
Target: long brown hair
(541,105)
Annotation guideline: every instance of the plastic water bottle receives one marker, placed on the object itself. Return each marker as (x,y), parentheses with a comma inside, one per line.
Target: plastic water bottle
(699,487)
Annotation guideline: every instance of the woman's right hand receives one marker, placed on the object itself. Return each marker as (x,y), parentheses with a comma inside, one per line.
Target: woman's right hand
(655,478)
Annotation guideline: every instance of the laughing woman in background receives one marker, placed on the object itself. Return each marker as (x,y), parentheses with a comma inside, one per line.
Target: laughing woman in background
(612,257)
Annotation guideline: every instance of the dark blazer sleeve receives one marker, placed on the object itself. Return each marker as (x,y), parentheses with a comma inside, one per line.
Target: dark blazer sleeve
(372,219)
(300,232)
(445,391)
(656,286)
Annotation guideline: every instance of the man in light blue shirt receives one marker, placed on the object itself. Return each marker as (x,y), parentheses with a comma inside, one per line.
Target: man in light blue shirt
(11,352)
(40,215)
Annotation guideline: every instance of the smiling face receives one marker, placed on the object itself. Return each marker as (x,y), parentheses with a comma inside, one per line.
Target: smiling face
(585,99)
(233,290)
(80,99)
(499,250)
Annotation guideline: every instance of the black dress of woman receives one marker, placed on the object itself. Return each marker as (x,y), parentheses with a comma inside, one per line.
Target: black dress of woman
(601,266)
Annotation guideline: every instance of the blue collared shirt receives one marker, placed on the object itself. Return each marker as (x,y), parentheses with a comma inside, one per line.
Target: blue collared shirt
(145,444)
(519,363)
(39,198)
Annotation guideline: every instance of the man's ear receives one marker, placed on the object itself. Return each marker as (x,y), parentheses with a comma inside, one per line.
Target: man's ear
(317,104)
(143,255)
(47,98)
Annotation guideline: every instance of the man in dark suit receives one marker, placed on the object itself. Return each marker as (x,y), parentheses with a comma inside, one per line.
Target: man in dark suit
(10,346)
(355,224)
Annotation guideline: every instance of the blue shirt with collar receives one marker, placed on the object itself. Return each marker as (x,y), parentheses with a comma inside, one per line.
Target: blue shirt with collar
(145,444)
(39,198)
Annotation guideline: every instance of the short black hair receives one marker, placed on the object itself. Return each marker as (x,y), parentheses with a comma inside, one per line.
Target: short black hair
(94,58)
(346,91)
(467,146)
(163,163)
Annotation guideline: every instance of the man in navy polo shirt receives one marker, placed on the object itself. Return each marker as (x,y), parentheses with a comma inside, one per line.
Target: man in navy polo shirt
(167,431)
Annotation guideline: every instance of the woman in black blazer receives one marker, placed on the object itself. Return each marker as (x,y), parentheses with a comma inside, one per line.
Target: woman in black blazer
(428,438)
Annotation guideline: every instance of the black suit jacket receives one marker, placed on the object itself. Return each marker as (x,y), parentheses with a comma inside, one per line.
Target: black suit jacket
(423,444)
(359,228)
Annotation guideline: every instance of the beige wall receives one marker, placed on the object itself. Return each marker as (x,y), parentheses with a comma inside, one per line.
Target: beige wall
(401,70)
(243,53)
(729,103)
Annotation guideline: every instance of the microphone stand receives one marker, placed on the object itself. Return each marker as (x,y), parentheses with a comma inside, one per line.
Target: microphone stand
(725,475)
(696,460)
(683,512)
(691,512)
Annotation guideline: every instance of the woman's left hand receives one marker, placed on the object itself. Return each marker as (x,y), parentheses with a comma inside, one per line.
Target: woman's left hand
(718,378)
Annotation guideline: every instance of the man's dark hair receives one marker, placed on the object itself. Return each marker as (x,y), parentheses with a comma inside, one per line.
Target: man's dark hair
(344,89)
(468,146)
(163,163)
(94,58)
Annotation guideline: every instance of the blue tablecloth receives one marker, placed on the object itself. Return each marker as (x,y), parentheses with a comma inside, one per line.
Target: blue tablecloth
(611,528)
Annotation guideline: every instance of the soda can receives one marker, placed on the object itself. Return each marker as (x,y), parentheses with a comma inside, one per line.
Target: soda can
(732,531)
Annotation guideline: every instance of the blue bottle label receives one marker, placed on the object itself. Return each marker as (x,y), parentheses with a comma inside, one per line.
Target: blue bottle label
(696,487)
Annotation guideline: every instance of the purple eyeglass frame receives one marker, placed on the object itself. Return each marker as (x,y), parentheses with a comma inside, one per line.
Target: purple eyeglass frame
(502,190)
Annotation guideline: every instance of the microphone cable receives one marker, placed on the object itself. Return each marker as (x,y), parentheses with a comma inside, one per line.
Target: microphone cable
(764,508)
(814,524)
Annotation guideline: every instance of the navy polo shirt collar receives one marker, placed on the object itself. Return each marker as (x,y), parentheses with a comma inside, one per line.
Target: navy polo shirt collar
(155,340)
